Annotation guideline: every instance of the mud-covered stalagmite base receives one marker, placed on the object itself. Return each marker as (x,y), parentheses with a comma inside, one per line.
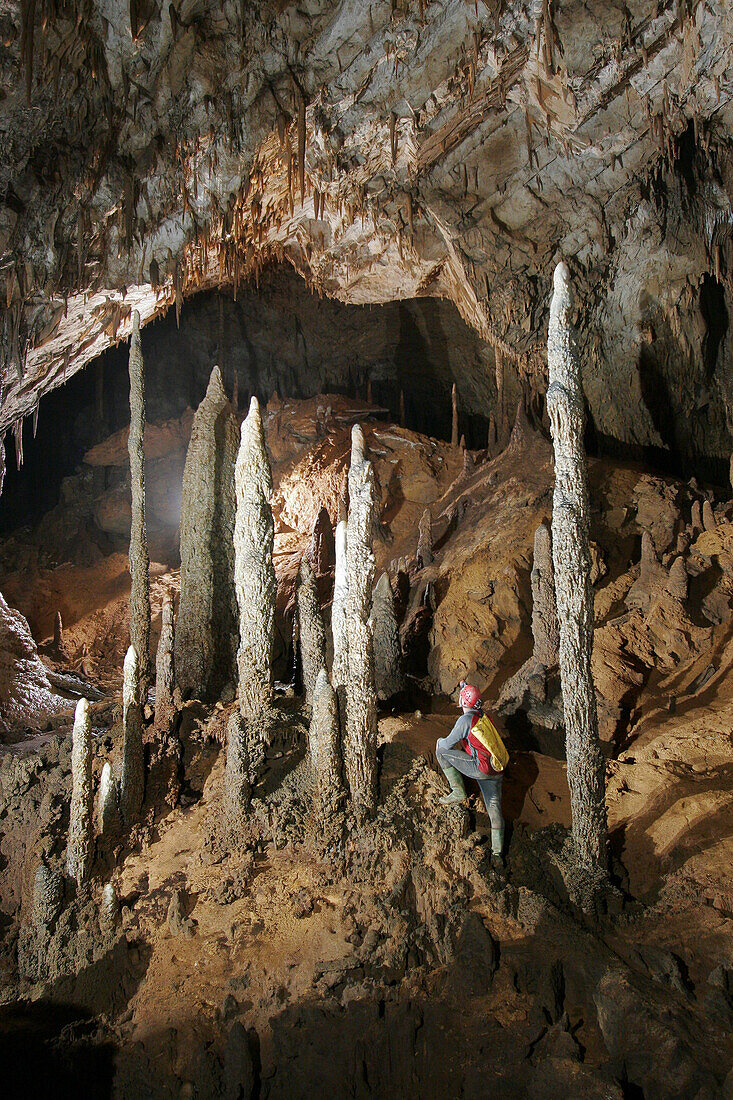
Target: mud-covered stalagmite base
(366,550)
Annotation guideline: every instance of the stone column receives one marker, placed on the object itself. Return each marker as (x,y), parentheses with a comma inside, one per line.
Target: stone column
(388,675)
(139,559)
(80,847)
(574,591)
(132,786)
(310,629)
(360,739)
(206,640)
(254,573)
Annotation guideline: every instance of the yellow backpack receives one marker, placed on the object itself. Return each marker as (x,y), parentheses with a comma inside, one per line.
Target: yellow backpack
(488,740)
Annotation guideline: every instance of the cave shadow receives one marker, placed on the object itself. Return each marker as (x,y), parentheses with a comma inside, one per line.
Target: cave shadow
(53,1049)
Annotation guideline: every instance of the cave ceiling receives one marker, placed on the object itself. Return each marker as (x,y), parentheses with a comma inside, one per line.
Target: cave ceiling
(385,150)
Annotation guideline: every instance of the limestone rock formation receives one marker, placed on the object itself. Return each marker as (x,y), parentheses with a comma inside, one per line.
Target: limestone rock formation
(324,745)
(655,582)
(80,847)
(338,617)
(360,734)
(139,559)
(574,591)
(425,540)
(544,607)
(132,785)
(388,672)
(256,586)
(108,808)
(26,695)
(206,638)
(109,913)
(311,630)
(48,897)
(237,788)
(321,549)
(164,669)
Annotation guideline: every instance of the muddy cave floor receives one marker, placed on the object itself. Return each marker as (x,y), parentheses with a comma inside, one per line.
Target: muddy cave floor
(385,957)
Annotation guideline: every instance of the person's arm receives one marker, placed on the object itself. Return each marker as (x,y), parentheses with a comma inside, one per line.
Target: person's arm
(458,733)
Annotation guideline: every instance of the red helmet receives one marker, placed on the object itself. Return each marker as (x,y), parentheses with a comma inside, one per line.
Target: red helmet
(470,696)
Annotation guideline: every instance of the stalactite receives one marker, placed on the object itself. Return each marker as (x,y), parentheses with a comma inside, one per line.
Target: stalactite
(80,846)
(425,540)
(454,406)
(132,786)
(360,741)
(139,560)
(254,573)
(324,746)
(310,628)
(574,591)
(388,673)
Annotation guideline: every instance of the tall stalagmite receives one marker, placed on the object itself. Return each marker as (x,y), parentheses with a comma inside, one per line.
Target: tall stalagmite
(425,540)
(164,669)
(206,639)
(338,618)
(323,740)
(388,675)
(544,606)
(80,847)
(573,586)
(360,738)
(139,559)
(132,786)
(254,573)
(320,550)
(310,628)
(454,415)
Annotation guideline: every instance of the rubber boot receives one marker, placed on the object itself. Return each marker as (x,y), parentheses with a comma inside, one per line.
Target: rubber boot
(457,788)
(497,846)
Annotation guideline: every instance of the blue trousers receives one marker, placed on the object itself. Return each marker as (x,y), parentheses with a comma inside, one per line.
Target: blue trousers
(490,786)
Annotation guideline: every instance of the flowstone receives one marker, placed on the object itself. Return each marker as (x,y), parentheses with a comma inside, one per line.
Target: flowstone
(206,639)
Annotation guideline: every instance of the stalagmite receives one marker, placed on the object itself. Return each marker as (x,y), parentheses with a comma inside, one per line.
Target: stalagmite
(323,740)
(402,409)
(311,629)
(338,618)
(544,608)
(48,897)
(80,847)
(109,913)
(237,786)
(320,550)
(425,540)
(491,437)
(164,669)
(133,775)
(109,802)
(574,591)
(696,517)
(708,516)
(139,560)
(454,405)
(677,583)
(254,573)
(58,633)
(468,462)
(206,639)
(360,740)
(388,675)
